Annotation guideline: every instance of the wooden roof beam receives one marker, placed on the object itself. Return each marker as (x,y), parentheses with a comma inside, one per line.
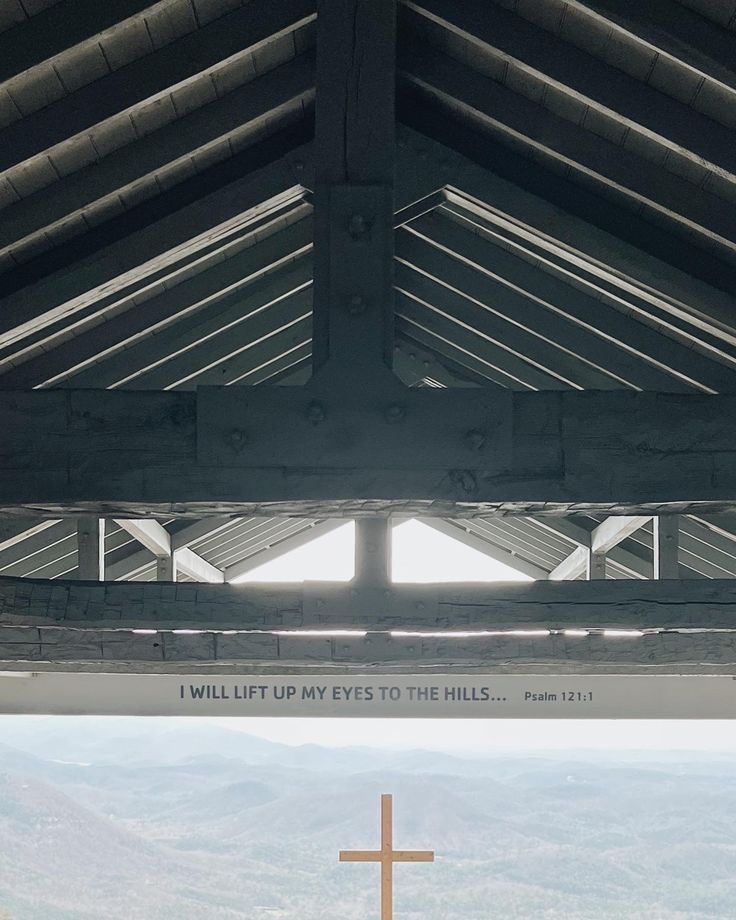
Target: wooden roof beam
(455,531)
(617,172)
(248,107)
(159,250)
(151,77)
(633,105)
(447,451)
(590,559)
(60,28)
(139,560)
(608,257)
(678,35)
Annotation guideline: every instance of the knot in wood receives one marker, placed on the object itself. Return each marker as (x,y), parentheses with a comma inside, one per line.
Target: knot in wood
(358,227)
(315,412)
(475,439)
(236,438)
(394,413)
(464,479)
(356,305)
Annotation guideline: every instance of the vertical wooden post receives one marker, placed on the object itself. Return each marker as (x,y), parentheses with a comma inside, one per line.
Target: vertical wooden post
(373,551)
(596,567)
(387,865)
(354,180)
(166,568)
(91,549)
(666,546)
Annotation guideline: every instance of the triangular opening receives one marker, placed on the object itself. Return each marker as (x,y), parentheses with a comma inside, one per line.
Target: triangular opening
(330,557)
(421,554)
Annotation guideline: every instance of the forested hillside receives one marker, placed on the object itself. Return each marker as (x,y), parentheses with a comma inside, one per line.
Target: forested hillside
(132,823)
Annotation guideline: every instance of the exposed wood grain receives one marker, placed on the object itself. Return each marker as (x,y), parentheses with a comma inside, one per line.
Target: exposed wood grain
(262,450)
(91,548)
(621,604)
(354,176)
(703,650)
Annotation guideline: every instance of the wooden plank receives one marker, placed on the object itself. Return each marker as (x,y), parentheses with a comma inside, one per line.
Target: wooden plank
(137,560)
(591,558)
(617,172)
(707,652)
(248,106)
(106,353)
(345,452)
(187,561)
(15,529)
(150,534)
(151,77)
(91,548)
(476,255)
(165,568)
(428,608)
(596,566)
(615,260)
(354,197)
(60,28)
(634,105)
(387,867)
(685,41)
(575,564)
(150,254)
(615,530)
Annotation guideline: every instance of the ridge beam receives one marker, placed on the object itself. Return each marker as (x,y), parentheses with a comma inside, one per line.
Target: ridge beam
(354,191)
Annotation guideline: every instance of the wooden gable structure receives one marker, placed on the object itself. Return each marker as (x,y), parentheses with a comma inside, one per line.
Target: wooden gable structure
(267,266)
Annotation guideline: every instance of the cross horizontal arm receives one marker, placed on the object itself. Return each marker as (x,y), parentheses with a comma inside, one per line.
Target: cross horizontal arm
(283,450)
(360,855)
(412,856)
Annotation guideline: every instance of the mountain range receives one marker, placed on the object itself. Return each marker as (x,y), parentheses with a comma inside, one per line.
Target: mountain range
(135,819)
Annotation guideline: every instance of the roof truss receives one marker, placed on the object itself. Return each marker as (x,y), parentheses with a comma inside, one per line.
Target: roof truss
(500,287)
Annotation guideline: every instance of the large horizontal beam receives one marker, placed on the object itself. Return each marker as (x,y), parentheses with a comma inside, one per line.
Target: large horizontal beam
(486,627)
(324,453)
(500,606)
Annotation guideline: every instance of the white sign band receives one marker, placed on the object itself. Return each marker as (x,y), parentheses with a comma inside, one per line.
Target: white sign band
(374,696)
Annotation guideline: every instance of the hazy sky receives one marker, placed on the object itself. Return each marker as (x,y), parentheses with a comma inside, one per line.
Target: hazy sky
(419,554)
(495,735)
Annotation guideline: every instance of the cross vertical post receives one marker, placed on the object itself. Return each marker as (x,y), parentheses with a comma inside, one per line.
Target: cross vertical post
(387,866)
(354,192)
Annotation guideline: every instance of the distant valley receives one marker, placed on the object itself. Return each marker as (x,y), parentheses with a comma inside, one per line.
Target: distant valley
(144,821)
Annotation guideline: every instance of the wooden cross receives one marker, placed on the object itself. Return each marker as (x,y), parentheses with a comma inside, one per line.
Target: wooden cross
(387,856)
